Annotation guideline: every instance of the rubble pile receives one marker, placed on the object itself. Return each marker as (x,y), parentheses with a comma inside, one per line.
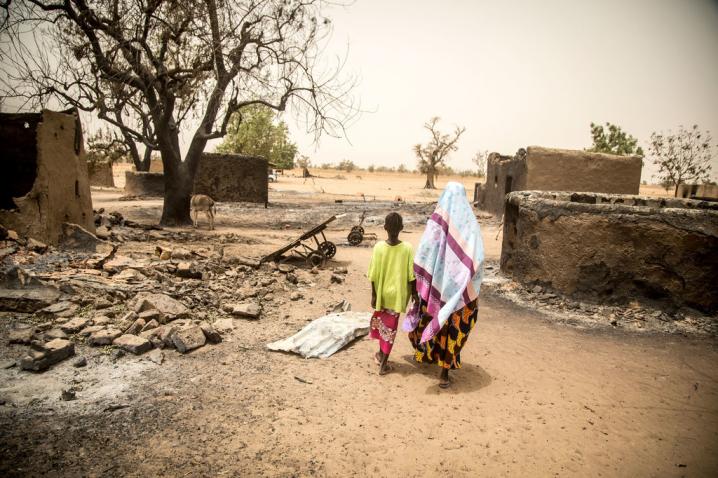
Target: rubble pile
(135,298)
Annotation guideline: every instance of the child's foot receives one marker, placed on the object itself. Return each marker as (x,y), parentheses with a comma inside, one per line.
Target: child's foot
(378,357)
(384,369)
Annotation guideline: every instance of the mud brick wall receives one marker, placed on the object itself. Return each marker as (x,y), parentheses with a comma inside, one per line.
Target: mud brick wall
(101,174)
(614,248)
(44,181)
(144,184)
(232,177)
(547,169)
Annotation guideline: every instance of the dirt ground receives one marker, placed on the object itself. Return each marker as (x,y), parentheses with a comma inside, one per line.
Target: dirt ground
(534,397)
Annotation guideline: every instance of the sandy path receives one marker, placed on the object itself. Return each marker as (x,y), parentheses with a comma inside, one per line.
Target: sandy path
(533,399)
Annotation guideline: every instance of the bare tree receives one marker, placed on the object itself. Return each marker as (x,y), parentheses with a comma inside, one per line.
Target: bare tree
(682,157)
(148,66)
(479,160)
(435,152)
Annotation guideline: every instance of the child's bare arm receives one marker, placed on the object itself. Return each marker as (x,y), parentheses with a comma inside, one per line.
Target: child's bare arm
(373,296)
(414,292)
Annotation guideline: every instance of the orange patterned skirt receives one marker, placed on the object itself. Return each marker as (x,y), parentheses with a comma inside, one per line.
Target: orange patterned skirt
(444,348)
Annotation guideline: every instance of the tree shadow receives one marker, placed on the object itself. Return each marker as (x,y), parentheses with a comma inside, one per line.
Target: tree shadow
(469,378)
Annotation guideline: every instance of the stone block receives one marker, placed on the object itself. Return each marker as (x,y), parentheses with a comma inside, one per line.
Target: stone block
(249,310)
(133,344)
(104,336)
(188,339)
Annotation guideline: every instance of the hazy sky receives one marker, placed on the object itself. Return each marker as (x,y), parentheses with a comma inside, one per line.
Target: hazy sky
(519,73)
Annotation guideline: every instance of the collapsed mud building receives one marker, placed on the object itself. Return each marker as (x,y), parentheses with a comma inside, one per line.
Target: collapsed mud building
(614,248)
(223,177)
(546,169)
(45,179)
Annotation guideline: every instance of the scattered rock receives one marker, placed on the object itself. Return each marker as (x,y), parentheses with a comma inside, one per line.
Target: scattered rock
(132,343)
(165,255)
(101,320)
(4,364)
(248,310)
(286,268)
(152,324)
(295,296)
(127,320)
(67,395)
(292,278)
(91,330)
(181,254)
(104,336)
(102,303)
(36,246)
(169,308)
(102,232)
(48,354)
(80,362)
(336,279)
(75,325)
(210,333)
(223,325)
(27,300)
(136,327)
(60,309)
(21,336)
(537,289)
(55,333)
(156,356)
(188,339)
(77,237)
(341,270)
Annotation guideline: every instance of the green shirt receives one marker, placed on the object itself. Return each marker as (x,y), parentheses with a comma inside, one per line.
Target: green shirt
(391,269)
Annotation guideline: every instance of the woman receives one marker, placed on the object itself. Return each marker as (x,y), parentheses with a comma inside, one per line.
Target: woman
(448,265)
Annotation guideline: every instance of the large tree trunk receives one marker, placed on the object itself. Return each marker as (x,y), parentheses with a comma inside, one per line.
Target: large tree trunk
(179,180)
(178,191)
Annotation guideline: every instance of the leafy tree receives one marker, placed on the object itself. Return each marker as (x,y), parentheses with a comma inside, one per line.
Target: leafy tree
(105,146)
(347,165)
(166,61)
(613,140)
(434,153)
(255,132)
(401,168)
(479,160)
(681,158)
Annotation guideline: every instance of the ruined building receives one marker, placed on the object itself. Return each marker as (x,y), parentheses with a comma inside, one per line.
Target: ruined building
(704,192)
(614,248)
(223,177)
(44,181)
(544,169)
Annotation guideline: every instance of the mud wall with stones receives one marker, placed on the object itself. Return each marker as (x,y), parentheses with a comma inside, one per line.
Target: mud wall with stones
(232,177)
(144,184)
(547,169)
(100,174)
(698,191)
(614,248)
(44,181)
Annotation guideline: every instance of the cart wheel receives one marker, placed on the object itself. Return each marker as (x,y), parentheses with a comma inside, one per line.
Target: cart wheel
(328,248)
(316,259)
(358,229)
(355,238)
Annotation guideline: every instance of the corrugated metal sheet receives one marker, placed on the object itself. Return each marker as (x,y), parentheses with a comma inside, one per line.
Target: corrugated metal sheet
(325,335)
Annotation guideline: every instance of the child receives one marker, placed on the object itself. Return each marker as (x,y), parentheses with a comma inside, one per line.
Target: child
(391,272)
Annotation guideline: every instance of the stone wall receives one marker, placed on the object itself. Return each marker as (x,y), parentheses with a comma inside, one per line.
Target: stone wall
(44,181)
(232,177)
(614,248)
(100,174)
(144,184)
(545,169)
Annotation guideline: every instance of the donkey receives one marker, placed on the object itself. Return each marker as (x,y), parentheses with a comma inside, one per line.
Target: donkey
(202,202)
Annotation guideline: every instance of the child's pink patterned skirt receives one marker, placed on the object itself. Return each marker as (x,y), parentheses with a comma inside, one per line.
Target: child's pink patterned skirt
(383,327)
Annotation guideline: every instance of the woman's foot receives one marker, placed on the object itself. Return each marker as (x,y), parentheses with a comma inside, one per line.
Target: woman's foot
(444,378)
